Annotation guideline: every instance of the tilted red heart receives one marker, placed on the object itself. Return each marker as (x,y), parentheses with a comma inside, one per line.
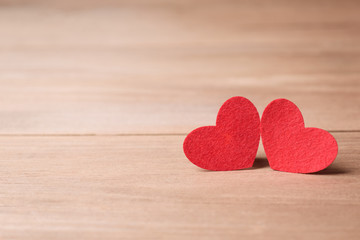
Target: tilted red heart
(289,146)
(231,144)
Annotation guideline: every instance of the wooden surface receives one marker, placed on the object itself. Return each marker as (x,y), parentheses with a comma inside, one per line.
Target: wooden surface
(96,98)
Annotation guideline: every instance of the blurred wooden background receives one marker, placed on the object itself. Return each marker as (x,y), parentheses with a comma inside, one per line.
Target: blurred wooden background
(96,98)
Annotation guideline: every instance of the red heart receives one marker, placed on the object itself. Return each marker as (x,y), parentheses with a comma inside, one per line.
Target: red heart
(289,146)
(231,144)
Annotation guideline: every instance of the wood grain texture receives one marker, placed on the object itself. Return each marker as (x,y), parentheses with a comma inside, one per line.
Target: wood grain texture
(92,67)
(143,187)
(96,98)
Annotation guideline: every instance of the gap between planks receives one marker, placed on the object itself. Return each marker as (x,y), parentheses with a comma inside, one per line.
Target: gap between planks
(122,134)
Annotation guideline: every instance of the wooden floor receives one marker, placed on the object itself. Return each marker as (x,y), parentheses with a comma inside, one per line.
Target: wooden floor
(96,98)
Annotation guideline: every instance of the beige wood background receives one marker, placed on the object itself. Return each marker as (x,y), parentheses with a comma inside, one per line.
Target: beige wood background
(96,98)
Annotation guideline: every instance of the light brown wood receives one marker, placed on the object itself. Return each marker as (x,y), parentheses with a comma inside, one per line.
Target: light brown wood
(81,68)
(96,98)
(143,187)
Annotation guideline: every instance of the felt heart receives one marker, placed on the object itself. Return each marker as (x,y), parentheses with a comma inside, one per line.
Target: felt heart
(231,144)
(289,146)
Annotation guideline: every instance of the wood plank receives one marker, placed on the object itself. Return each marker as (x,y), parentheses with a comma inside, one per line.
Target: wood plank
(136,187)
(73,67)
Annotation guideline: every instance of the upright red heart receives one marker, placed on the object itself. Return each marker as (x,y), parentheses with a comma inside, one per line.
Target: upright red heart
(231,144)
(289,146)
